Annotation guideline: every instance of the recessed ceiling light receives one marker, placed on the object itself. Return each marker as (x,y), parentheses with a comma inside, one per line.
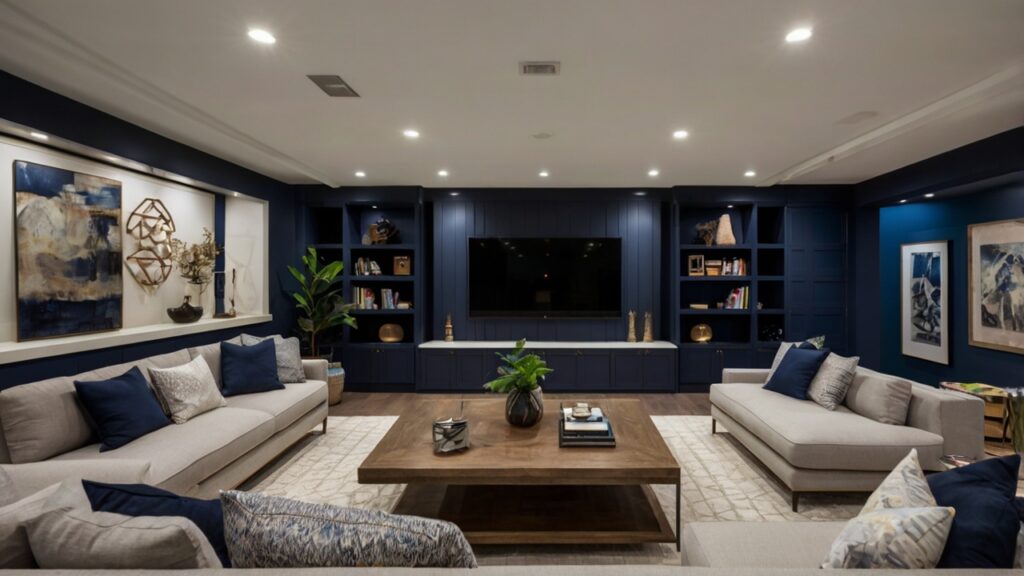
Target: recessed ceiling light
(640,193)
(262,36)
(442,173)
(653,172)
(411,134)
(543,174)
(39,135)
(750,173)
(453,193)
(930,195)
(680,135)
(730,206)
(374,206)
(904,201)
(360,174)
(235,194)
(798,35)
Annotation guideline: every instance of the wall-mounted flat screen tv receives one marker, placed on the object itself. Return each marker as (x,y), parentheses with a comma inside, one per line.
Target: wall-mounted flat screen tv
(545,277)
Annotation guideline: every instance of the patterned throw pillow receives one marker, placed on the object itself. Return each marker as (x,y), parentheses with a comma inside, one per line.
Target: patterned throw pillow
(187,390)
(270,532)
(289,357)
(904,487)
(904,538)
(833,380)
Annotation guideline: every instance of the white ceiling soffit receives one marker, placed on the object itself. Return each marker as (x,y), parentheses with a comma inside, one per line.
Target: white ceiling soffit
(879,85)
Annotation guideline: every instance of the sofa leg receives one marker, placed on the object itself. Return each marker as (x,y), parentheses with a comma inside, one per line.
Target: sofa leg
(325,426)
(714,426)
(796,501)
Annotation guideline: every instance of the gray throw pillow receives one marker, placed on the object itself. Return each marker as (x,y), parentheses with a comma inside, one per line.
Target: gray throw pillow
(289,357)
(881,397)
(187,390)
(830,384)
(271,532)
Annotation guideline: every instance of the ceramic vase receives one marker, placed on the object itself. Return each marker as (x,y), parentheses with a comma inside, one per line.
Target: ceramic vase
(524,408)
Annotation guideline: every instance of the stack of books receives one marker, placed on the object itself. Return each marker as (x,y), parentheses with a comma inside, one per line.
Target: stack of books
(593,431)
(739,299)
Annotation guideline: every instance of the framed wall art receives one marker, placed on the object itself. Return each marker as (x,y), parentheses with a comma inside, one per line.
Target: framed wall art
(995,262)
(924,309)
(68,252)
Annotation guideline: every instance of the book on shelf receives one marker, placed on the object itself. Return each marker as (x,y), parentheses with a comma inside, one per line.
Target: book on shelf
(366,299)
(698,306)
(739,299)
(734,267)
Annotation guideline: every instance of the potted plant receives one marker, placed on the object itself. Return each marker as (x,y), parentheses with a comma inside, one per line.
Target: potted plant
(319,299)
(520,377)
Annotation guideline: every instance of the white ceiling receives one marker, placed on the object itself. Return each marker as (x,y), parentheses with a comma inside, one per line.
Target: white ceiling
(938,73)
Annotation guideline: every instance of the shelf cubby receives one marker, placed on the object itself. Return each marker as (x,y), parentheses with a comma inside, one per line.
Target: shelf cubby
(771,222)
(771,262)
(725,328)
(741,217)
(363,215)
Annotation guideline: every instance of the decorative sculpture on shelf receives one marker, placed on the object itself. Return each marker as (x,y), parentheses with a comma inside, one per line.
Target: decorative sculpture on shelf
(381,232)
(707,231)
(701,333)
(724,235)
(449,330)
(631,331)
(648,327)
(151,225)
(229,313)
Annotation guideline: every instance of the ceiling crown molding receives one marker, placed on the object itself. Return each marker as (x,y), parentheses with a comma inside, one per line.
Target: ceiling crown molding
(991,87)
(47,39)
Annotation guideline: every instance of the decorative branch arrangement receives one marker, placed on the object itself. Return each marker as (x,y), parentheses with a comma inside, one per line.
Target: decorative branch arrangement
(195,262)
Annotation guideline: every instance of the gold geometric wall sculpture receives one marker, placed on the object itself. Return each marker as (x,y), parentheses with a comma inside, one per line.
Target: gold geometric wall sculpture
(151,225)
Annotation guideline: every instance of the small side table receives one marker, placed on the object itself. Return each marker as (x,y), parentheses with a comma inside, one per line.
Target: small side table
(997,407)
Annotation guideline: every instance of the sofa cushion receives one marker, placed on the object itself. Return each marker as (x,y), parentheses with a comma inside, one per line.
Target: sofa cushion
(8,492)
(183,455)
(809,436)
(176,358)
(895,538)
(793,375)
(757,544)
(287,405)
(15,551)
(983,495)
(43,419)
(249,369)
(187,390)
(144,500)
(271,532)
(832,382)
(211,353)
(121,409)
(28,477)
(289,356)
(881,397)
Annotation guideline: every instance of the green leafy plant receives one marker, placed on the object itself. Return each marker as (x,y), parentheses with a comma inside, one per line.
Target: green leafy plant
(521,371)
(320,300)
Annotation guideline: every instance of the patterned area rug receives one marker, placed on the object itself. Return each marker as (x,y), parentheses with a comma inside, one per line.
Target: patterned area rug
(720,482)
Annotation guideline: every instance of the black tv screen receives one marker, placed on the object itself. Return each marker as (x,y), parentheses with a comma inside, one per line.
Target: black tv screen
(545,277)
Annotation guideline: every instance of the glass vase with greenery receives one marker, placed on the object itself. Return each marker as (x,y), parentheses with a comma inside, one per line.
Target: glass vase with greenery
(319,299)
(520,376)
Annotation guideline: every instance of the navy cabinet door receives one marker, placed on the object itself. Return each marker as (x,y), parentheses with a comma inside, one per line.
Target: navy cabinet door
(396,366)
(437,370)
(593,370)
(697,366)
(659,370)
(359,365)
(564,377)
(473,370)
(735,359)
(628,370)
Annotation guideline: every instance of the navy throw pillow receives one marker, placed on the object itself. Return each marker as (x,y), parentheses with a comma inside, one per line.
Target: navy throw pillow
(795,372)
(121,409)
(984,533)
(249,369)
(143,500)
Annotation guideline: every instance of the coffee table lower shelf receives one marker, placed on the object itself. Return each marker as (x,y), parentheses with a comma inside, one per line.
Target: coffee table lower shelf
(527,514)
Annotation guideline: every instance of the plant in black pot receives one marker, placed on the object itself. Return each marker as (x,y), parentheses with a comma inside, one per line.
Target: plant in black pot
(520,377)
(319,299)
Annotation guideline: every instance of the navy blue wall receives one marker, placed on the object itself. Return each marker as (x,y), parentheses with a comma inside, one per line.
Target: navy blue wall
(535,213)
(945,220)
(971,184)
(31,105)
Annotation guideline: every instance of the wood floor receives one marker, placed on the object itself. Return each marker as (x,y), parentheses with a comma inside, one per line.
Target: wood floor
(394,403)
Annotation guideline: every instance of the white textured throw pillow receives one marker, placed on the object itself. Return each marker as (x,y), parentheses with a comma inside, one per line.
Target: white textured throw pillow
(830,384)
(289,357)
(904,487)
(903,538)
(187,390)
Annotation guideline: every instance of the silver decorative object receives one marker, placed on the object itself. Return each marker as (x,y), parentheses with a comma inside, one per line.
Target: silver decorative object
(451,434)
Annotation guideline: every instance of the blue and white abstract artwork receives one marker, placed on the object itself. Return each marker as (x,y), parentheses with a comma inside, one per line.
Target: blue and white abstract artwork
(68,235)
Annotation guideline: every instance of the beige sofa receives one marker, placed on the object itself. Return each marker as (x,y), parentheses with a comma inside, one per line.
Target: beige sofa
(810,449)
(45,437)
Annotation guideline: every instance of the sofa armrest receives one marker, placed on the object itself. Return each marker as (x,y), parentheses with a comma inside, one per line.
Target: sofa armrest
(744,375)
(958,418)
(31,477)
(315,369)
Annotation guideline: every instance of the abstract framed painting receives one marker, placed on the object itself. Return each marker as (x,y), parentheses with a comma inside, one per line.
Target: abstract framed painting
(924,309)
(68,252)
(995,261)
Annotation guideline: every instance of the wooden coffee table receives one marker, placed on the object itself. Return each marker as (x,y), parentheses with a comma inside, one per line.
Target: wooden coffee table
(516,486)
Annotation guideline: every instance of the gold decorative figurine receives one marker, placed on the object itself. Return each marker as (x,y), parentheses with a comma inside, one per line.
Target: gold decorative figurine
(631,335)
(648,327)
(449,331)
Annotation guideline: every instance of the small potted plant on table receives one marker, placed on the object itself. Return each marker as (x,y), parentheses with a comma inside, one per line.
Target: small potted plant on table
(520,377)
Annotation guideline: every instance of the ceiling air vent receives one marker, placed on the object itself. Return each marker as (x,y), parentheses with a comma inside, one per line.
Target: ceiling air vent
(333,85)
(549,68)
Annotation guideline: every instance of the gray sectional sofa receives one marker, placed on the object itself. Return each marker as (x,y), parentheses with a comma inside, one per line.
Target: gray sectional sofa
(45,436)
(811,449)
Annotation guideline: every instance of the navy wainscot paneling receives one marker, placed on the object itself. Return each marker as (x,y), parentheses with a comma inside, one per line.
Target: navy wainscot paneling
(816,280)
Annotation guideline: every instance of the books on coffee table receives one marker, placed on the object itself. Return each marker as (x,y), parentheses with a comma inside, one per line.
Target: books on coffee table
(593,431)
